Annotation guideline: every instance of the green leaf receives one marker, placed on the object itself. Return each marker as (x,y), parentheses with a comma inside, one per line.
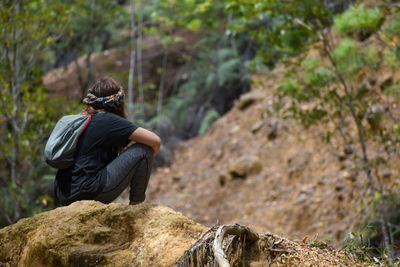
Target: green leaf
(377,196)
(348,57)
(194,24)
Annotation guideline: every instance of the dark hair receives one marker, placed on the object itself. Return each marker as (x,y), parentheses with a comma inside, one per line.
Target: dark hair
(106,87)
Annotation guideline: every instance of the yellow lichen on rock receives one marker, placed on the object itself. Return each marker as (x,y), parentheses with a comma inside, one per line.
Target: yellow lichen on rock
(89,233)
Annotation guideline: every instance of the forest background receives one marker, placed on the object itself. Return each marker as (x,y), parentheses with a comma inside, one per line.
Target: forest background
(331,51)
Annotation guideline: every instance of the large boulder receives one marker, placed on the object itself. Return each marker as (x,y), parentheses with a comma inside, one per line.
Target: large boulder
(89,233)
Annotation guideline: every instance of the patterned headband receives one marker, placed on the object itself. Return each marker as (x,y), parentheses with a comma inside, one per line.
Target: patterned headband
(111,101)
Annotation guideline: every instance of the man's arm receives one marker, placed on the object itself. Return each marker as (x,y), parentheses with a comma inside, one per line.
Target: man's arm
(146,137)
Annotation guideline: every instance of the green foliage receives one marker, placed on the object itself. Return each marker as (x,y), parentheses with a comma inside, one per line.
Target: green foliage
(280,29)
(215,72)
(392,27)
(291,88)
(320,77)
(28,27)
(209,119)
(348,57)
(357,246)
(330,86)
(391,58)
(368,244)
(227,68)
(189,14)
(176,107)
(393,90)
(372,56)
(93,27)
(359,20)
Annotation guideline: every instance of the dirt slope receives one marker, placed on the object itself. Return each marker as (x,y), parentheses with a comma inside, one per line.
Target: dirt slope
(267,173)
(64,81)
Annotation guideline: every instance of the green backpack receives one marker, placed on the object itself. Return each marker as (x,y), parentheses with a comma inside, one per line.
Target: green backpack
(61,146)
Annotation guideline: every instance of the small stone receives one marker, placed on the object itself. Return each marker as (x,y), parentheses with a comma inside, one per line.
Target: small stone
(235,129)
(257,126)
(176,178)
(245,166)
(223,178)
(248,99)
(219,154)
(273,132)
(386,174)
(302,197)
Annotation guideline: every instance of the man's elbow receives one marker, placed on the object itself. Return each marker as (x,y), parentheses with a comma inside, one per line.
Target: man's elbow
(157,145)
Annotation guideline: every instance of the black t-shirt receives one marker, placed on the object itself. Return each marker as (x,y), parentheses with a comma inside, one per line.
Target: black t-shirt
(97,146)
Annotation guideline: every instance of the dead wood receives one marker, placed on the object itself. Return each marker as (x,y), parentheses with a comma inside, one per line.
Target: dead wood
(213,246)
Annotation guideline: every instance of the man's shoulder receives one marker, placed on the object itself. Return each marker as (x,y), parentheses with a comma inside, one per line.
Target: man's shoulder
(108,118)
(103,114)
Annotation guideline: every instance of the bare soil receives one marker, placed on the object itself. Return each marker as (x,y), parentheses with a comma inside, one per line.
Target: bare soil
(271,174)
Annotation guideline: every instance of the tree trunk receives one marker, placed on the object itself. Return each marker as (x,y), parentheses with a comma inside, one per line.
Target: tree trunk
(89,73)
(161,88)
(132,63)
(85,82)
(15,132)
(379,206)
(139,47)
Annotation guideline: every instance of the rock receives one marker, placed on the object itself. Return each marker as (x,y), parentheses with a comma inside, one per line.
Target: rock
(303,196)
(257,126)
(374,116)
(272,126)
(89,233)
(176,178)
(248,99)
(223,177)
(245,166)
(386,173)
(348,149)
(234,129)
(219,154)
(385,81)
(298,163)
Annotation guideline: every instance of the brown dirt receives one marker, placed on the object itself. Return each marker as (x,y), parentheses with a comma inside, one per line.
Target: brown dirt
(88,233)
(270,174)
(246,248)
(64,81)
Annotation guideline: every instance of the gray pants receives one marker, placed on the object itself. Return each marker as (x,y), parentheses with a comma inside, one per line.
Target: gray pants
(133,166)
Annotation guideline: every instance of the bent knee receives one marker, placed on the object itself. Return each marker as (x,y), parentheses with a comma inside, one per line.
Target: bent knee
(145,150)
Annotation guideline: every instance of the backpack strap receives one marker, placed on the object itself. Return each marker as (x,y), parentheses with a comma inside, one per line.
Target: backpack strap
(86,124)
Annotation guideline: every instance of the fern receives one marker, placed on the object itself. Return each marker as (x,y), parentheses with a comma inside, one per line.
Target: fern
(211,116)
(228,70)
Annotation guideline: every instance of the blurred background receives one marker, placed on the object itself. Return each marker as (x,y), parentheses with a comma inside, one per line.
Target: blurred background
(185,63)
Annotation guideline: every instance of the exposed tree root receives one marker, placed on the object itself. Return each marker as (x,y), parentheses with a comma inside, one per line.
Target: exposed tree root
(224,230)
(225,245)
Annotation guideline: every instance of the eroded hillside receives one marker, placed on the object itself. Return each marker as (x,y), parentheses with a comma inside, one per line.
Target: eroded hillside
(271,174)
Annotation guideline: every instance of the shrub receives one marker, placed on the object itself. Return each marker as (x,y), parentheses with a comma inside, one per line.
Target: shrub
(348,57)
(359,21)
